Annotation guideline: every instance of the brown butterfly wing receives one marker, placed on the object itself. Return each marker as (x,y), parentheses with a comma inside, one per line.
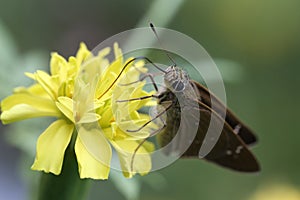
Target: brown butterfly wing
(229,151)
(240,128)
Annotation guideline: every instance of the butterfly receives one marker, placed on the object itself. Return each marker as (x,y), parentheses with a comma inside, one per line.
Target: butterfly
(230,146)
(197,123)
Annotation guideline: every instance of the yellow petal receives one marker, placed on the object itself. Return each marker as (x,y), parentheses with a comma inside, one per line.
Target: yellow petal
(106,116)
(65,105)
(51,147)
(24,106)
(73,67)
(110,131)
(110,74)
(39,103)
(104,52)
(24,111)
(97,104)
(134,125)
(85,103)
(62,79)
(56,63)
(82,97)
(88,166)
(142,161)
(30,75)
(133,73)
(95,144)
(89,118)
(35,90)
(118,52)
(83,53)
(126,109)
(48,83)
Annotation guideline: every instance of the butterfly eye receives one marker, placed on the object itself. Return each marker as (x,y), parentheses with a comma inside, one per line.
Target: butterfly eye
(178,86)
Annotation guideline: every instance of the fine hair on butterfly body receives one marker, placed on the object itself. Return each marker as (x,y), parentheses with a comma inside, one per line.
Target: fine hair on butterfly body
(188,104)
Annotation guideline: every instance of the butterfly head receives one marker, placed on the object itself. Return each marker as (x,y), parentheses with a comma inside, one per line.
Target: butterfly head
(176,79)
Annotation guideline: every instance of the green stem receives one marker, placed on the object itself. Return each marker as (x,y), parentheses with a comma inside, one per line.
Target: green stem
(67,185)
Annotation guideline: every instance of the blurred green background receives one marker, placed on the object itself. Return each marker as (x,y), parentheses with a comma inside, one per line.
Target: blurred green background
(259,39)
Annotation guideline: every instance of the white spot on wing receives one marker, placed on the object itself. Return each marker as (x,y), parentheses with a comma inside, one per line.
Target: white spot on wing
(238,149)
(237,128)
(228,152)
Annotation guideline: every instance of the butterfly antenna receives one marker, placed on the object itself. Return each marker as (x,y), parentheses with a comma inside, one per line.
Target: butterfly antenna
(160,43)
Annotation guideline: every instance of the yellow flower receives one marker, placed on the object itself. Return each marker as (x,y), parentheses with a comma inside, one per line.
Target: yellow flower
(277,192)
(81,95)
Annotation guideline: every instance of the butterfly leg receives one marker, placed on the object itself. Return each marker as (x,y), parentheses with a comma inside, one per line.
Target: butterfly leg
(156,117)
(151,134)
(125,66)
(141,79)
(138,98)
